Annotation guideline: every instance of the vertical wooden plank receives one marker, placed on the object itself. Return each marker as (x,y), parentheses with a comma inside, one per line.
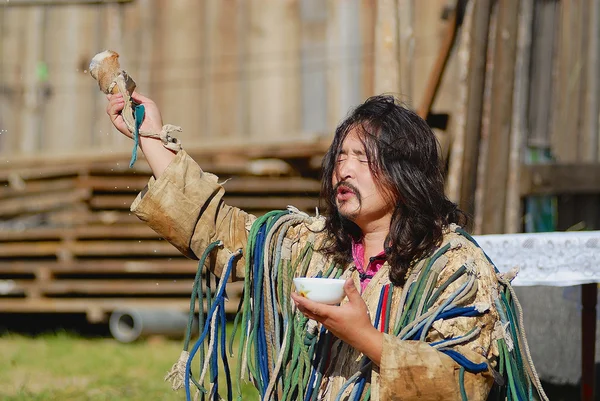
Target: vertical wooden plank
(208,14)
(459,114)
(157,61)
(142,46)
(101,128)
(566,131)
(519,127)
(406,48)
(243,22)
(438,72)
(588,151)
(82,95)
(476,83)
(14,31)
(333,84)
(314,65)
(542,81)
(3,83)
(367,29)
(500,118)
(351,55)
(222,69)
(591,110)
(274,69)
(344,59)
(558,77)
(387,67)
(580,41)
(102,131)
(449,84)
(178,66)
(85,94)
(127,20)
(490,65)
(71,107)
(429,34)
(31,117)
(538,214)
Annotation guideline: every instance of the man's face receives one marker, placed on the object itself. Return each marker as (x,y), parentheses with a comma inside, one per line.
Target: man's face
(357,196)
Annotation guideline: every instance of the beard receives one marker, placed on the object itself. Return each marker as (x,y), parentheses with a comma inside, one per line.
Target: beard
(348,214)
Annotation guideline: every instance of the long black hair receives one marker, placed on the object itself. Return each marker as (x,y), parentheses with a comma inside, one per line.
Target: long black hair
(403,158)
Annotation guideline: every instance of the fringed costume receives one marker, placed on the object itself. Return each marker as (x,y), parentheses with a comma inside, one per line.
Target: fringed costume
(451,331)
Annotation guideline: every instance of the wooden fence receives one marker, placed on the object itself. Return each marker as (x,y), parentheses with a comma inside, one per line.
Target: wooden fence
(246,71)
(526,117)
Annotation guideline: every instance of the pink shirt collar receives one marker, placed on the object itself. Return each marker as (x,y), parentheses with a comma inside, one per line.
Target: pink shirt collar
(375,263)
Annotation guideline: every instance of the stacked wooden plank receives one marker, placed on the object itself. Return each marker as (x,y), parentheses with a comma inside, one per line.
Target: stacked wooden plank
(69,243)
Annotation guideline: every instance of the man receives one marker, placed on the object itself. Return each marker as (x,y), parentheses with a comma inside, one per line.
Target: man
(425,315)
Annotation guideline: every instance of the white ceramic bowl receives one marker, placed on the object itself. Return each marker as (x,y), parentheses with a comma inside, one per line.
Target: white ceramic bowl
(324,290)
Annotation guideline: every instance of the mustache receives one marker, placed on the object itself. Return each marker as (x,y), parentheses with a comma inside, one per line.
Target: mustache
(349,186)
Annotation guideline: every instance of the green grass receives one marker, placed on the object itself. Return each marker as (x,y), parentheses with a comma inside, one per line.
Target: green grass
(67,367)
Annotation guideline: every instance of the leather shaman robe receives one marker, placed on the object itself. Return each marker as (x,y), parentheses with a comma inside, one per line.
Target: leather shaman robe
(185,207)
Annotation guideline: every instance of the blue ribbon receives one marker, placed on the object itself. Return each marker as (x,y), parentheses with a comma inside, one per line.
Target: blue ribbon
(138,112)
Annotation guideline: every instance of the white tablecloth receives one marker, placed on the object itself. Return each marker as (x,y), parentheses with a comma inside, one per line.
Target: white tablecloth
(554,259)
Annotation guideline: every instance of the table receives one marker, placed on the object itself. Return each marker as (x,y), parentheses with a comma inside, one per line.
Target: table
(556,259)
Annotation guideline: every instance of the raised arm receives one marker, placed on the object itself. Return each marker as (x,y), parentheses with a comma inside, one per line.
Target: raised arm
(182,203)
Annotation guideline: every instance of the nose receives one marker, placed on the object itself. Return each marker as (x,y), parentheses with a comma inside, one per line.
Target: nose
(345,169)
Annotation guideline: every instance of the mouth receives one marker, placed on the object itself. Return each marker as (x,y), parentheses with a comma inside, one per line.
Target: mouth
(344,193)
(343,190)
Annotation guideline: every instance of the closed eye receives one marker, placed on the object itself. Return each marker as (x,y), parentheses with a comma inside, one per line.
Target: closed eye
(361,156)
(360,160)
